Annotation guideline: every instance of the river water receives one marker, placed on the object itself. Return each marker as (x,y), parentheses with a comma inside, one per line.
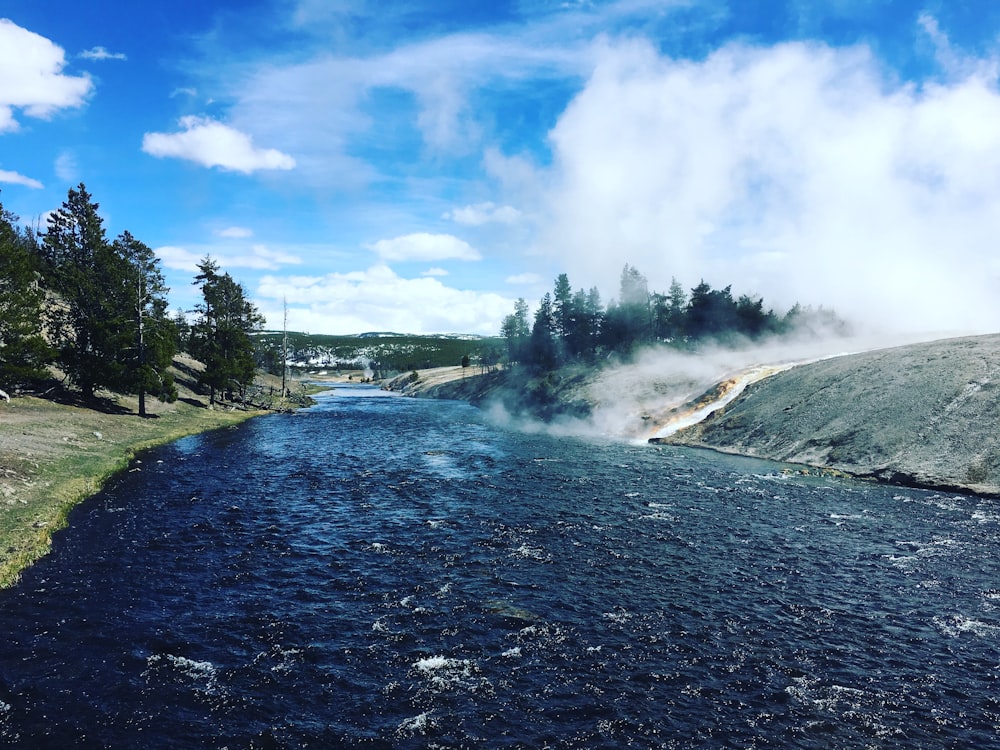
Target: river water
(387,572)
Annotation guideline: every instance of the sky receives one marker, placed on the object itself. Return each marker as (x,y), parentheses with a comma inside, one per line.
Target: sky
(418,166)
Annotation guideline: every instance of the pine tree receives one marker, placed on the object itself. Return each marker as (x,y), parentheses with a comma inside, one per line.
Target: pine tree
(562,307)
(221,337)
(24,353)
(83,271)
(149,338)
(542,347)
(514,329)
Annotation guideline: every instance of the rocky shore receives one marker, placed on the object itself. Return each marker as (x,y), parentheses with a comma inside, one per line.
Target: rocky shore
(924,415)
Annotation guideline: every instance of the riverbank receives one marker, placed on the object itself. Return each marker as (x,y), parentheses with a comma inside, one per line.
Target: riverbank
(53,455)
(921,415)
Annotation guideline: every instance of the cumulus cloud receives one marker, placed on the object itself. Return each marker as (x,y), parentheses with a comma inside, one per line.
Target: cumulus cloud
(101,53)
(800,172)
(212,144)
(31,68)
(483,213)
(423,246)
(379,299)
(13,178)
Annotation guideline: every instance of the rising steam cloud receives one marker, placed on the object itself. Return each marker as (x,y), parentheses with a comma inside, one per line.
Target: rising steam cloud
(799,172)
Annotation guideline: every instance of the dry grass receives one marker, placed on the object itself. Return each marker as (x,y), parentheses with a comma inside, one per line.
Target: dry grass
(54,455)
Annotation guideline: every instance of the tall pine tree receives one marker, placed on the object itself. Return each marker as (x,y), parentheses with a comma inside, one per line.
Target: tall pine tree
(221,336)
(149,338)
(24,352)
(84,272)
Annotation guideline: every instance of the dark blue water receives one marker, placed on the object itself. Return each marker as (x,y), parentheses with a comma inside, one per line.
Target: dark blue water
(383,572)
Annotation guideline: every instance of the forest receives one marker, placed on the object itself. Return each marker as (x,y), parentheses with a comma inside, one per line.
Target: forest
(574,326)
(95,310)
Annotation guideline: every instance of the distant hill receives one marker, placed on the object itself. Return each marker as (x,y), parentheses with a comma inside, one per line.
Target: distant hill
(384,352)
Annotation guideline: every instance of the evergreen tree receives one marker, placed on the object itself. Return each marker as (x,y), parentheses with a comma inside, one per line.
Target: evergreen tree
(593,311)
(149,338)
(182,331)
(627,323)
(221,337)
(84,272)
(677,300)
(542,346)
(711,313)
(515,331)
(562,307)
(24,353)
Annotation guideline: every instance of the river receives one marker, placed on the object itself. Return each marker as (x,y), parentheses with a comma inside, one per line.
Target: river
(379,571)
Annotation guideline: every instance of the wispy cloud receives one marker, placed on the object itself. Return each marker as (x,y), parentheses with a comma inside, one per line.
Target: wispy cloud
(213,144)
(524,279)
(13,178)
(483,213)
(31,70)
(66,167)
(235,232)
(101,53)
(422,246)
(258,257)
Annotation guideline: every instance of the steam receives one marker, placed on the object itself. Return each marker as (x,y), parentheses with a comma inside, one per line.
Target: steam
(665,389)
(801,172)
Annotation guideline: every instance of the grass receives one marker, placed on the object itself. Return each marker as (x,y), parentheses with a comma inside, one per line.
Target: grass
(53,455)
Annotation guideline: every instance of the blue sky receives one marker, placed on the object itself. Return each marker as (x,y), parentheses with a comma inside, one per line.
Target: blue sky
(417,166)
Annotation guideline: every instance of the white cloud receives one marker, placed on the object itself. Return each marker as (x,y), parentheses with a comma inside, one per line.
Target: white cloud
(524,279)
(213,144)
(13,178)
(435,272)
(378,299)
(259,258)
(178,258)
(66,167)
(235,232)
(483,213)
(800,172)
(329,107)
(101,53)
(422,246)
(31,70)
(263,257)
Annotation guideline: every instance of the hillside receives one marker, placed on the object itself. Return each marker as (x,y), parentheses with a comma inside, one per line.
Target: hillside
(923,415)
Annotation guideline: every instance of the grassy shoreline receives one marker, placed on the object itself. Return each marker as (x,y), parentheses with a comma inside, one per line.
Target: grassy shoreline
(53,456)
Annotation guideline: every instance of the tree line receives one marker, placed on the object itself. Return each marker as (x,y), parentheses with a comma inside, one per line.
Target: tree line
(96,309)
(573,326)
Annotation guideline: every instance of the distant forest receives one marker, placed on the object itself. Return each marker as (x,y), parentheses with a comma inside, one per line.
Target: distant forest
(573,326)
(96,309)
